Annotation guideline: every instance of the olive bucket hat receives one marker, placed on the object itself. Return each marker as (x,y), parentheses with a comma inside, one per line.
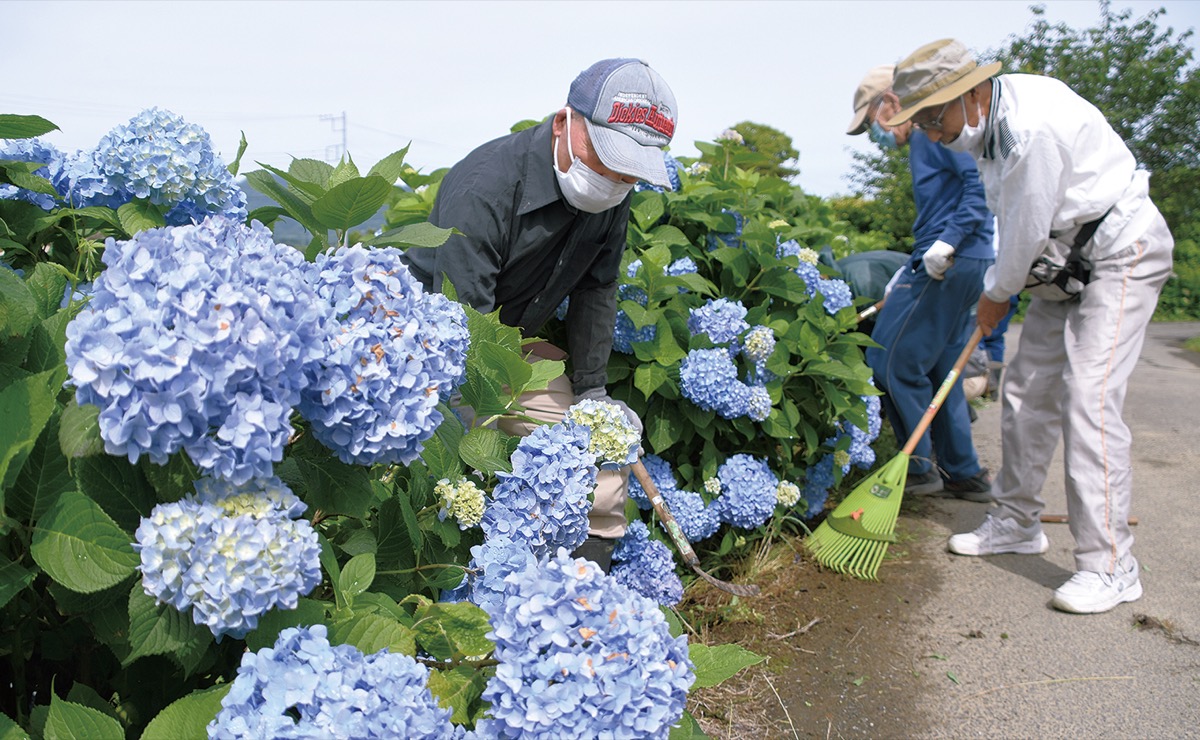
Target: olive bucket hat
(935,74)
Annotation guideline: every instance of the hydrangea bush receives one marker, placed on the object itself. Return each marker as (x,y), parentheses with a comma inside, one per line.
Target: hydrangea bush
(239,492)
(738,348)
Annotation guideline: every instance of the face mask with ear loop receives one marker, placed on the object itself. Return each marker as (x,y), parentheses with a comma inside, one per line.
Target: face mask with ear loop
(885,139)
(970,139)
(583,187)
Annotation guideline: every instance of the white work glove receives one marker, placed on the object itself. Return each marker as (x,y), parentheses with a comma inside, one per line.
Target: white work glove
(601,394)
(938,259)
(895,279)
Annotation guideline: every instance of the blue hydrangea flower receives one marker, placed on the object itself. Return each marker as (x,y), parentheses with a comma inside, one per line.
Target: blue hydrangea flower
(197,338)
(721,320)
(544,500)
(161,158)
(709,380)
(818,479)
(682,266)
(230,554)
(79,293)
(500,555)
(393,352)
(837,295)
(625,333)
(697,520)
(662,475)
(626,292)
(714,240)
(560,313)
(646,566)
(747,491)
(861,453)
(303,687)
(672,175)
(758,404)
(53,163)
(581,655)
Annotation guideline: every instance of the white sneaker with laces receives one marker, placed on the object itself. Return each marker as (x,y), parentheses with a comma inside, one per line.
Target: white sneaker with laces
(999,536)
(1089,592)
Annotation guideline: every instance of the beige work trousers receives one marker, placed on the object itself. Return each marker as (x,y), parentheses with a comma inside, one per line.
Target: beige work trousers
(607,518)
(1068,379)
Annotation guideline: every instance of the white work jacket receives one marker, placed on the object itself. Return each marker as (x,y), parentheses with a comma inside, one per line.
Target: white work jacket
(1050,162)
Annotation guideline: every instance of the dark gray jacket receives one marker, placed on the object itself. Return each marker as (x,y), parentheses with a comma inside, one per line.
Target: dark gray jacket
(524,249)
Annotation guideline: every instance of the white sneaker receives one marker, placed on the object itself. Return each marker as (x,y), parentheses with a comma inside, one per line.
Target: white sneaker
(1089,592)
(998,536)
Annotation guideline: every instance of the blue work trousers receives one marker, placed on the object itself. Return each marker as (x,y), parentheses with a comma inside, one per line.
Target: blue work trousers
(923,327)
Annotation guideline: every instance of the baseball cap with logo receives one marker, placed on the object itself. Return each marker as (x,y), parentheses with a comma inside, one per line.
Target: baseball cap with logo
(630,113)
(876,83)
(935,74)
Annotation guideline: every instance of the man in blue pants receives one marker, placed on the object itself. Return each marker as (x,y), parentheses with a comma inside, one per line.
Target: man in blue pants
(926,319)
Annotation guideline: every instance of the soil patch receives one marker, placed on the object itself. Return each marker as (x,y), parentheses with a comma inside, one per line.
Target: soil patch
(842,656)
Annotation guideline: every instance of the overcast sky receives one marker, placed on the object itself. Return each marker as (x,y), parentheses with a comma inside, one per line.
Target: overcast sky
(447,76)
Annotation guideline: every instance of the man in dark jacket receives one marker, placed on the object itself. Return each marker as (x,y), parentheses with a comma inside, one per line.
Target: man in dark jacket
(543,215)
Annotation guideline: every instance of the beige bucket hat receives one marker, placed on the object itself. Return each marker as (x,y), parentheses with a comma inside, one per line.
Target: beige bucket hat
(876,83)
(934,74)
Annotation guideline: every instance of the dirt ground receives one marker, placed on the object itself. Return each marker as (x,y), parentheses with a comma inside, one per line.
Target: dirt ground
(838,664)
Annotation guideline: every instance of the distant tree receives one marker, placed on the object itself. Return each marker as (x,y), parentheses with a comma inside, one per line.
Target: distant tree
(883,199)
(763,149)
(1143,78)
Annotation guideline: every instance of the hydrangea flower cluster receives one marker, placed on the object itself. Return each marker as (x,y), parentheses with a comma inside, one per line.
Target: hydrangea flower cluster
(861,454)
(646,566)
(731,135)
(697,520)
(710,380)
(544,500)
(787,493)
(818,479)
(672,175)
(229,553)
(197,338)
(159,157)
(837,293)
(303,687)
(612,439)
(462,500)
(53,162)
(580,655)
(747,491)
(394,351)
(661,475)
(714,240)
(758,344)
(721,320)
(500,555)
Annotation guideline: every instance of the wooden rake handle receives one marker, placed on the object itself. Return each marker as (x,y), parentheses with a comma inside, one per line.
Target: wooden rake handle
(943,391)
(869,311)
(681,542)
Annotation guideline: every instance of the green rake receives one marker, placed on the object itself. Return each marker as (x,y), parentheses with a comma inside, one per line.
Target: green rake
(855,535)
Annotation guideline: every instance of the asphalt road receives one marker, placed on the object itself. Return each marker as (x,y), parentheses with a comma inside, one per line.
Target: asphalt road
(1004,664)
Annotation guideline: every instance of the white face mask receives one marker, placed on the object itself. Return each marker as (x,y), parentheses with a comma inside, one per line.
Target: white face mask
(970,139)
(583,187)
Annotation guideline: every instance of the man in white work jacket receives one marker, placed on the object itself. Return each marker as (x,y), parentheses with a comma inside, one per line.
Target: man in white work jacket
(1065,190)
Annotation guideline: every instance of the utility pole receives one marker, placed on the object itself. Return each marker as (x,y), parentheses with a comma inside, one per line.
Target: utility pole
(334,153)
